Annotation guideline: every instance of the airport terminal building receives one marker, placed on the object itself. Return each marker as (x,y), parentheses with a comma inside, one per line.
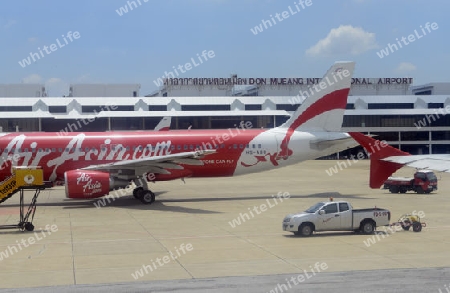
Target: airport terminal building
(413,119)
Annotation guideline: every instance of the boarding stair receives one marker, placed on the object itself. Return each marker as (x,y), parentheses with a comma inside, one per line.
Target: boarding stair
(23,178)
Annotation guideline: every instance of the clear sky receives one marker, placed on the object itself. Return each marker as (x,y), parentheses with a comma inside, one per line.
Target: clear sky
(140,45)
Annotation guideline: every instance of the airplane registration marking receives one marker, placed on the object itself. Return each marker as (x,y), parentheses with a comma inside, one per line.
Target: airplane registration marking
(227,161)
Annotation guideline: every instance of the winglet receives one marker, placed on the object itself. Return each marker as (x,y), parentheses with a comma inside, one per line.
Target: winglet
(379,170)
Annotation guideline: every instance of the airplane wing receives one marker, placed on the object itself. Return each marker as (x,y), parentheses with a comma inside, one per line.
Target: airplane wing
(155,164)
(434,162)
(164,124)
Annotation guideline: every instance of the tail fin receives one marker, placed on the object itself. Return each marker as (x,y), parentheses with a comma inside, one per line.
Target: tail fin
(164,124)
(379,170)
(325,103)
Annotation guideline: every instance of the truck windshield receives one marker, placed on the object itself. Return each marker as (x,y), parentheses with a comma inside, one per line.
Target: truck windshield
(431,176)
(315,208)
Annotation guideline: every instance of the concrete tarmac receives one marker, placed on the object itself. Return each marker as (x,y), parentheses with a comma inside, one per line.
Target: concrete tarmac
(188,235)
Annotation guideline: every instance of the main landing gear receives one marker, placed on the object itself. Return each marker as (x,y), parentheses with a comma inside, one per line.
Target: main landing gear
(145,196)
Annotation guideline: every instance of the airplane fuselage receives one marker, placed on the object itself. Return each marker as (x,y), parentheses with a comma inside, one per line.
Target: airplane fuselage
(238,150)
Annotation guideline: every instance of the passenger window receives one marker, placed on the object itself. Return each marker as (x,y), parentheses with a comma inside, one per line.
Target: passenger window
(343,206)
(330,209)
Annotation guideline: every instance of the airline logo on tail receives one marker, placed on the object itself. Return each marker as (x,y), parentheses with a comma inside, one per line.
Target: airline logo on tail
(324,109)
(321,111)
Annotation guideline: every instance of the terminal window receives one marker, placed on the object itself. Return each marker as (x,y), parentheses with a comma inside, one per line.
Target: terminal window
(205,108)
(435,105)
(157,108)
(287,107)
(16,108)
(390,106)
(57,109)
(253,107)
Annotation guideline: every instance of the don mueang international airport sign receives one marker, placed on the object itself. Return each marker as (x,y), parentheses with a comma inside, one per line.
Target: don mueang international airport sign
(279,81)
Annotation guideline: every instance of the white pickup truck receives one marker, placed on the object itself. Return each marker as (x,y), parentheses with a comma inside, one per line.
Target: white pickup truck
(336,216)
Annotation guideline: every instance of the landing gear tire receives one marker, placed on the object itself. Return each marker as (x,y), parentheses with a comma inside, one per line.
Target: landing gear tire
(137,192)
(147,197)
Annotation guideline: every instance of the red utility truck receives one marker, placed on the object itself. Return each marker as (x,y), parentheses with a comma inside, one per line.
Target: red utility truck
(424,181)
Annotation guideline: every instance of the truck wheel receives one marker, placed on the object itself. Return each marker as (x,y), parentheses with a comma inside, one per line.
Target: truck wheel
(305,230)
(367,227)
(417,227)
(403,190)
(393,189)
(419,190)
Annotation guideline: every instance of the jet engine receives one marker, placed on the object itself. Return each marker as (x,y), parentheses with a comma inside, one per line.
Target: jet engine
(85,184)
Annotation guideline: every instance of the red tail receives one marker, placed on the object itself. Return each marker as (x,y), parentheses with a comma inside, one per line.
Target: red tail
(379,170)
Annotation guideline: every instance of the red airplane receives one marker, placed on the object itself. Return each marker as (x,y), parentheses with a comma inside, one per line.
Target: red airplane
(94,163)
